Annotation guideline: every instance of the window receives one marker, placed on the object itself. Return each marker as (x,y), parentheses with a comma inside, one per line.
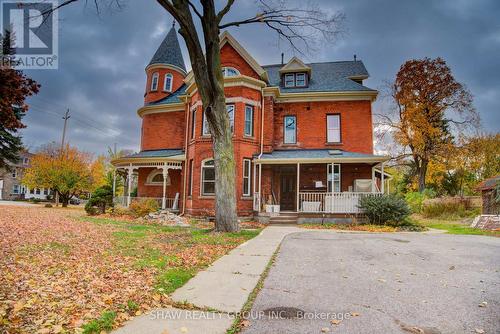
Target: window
(295,80)
(15,189)
(14,173)
(333,177)
(289,80)
(290,136)
(167,86)
(230,112)
(190,178)
(193,123)
(300,80)
(247,168)
(26,161)
(230,72)
(208,177)
(333,128)
(156,178)
(248,121)
(32,191)
(37,191)
(45,191)
(154,81)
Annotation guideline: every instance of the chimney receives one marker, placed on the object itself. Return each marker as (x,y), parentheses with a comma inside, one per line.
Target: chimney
(355,57)
(282,58)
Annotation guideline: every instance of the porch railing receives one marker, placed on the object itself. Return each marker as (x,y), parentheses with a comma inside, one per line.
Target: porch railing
(336,202)
(169,202)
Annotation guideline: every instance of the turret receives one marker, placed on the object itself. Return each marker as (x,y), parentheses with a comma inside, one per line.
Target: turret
(166,70)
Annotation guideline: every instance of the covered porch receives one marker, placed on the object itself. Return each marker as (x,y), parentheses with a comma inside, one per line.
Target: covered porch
(316,181)
(154,174)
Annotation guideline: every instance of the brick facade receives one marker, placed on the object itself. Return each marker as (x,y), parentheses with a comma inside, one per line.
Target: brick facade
(174,130)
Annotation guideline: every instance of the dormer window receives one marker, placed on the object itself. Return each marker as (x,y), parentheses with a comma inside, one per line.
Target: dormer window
(168,82)
(154,81)
(230,72)
(295,80)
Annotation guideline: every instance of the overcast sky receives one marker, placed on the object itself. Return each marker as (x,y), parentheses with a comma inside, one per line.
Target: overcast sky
(102,59)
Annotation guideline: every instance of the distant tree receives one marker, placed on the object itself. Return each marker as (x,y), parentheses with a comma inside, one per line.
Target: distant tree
(299,26)
(67,172)
(432,110)
(98,171)
(14,89)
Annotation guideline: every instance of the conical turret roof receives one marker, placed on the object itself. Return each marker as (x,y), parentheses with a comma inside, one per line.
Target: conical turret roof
(169,51)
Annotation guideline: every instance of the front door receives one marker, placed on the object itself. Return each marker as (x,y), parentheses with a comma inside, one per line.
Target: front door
(288,194)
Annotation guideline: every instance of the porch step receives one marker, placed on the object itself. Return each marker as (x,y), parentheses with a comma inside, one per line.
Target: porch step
(285,218)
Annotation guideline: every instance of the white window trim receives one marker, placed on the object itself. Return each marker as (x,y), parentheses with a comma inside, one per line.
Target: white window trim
(328,181)
(251,122)
(153,82)
(337,129)
(284,129)
(206,132)
(225,71)
(292,75)
(169,87)
(296,80)
(149,179)
(202,180)
(249,177)
(193,123)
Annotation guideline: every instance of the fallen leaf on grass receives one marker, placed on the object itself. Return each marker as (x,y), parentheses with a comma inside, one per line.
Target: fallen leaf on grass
(335,321)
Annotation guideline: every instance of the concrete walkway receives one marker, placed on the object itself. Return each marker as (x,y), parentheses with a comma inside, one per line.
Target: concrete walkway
(224,287)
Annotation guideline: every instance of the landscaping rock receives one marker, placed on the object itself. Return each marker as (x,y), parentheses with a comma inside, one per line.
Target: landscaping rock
(487,222)
(166,218)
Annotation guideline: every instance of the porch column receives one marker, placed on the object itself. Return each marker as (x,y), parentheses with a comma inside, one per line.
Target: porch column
(373,179)
(254,183)
(382,182)
(129,185)
(165,175)
(260,180)
(298,186)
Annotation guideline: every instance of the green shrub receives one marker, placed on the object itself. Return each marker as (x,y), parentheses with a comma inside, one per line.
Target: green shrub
(381,210)
(143,207)
(101,198)
(416,199)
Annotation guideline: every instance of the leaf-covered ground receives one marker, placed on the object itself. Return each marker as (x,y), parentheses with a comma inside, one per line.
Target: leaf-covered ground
(62,272)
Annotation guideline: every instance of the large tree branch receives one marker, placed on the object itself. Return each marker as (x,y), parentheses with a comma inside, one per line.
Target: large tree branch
(224,10)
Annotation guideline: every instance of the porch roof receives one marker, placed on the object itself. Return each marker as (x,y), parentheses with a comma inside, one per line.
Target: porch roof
(318,156)
(150,156)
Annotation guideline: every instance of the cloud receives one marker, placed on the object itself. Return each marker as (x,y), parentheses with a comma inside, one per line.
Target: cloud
(102,59)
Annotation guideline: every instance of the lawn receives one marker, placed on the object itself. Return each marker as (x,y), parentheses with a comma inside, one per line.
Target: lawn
(452,226)
(63,272)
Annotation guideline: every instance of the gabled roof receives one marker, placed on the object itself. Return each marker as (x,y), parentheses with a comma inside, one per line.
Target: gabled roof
(326,77)
(489,184)
(169,52)
(295,65)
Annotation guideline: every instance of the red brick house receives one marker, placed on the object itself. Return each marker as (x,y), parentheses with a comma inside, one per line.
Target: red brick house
(303,135)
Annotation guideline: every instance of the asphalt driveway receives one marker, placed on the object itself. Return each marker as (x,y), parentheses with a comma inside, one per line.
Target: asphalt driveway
(381,283)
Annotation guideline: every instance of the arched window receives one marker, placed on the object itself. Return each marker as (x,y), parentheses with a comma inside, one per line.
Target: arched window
(155,178)
(168,82)
(208,177)
(154,81)
(230,72)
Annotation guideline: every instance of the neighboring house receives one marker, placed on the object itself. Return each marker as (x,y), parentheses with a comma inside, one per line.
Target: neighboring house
(303,135)
(489,195)
(11,187)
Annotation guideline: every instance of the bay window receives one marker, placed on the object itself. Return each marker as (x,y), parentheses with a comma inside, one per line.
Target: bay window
(230,113)
(248,121)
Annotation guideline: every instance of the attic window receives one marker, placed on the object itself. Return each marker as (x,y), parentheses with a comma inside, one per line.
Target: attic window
(295,80)
(230,72)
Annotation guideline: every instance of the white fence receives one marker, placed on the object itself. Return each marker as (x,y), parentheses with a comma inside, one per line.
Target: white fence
(337,202)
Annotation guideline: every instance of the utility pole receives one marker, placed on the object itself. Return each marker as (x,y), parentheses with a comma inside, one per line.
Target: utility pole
(65,118)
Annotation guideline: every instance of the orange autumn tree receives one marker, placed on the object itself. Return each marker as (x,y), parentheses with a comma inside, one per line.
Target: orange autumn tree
(98,173)
(67,172)
(431,111)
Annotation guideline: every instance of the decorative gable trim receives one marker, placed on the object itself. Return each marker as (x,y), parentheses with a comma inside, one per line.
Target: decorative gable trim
(295,65)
